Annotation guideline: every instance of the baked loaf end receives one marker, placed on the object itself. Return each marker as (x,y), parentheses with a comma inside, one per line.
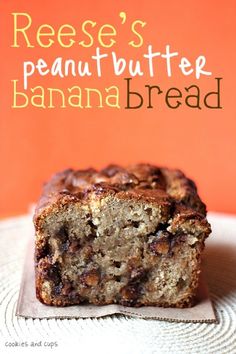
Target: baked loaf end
(129,236)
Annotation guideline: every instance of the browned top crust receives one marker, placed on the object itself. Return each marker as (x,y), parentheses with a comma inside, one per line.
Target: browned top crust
(159,185)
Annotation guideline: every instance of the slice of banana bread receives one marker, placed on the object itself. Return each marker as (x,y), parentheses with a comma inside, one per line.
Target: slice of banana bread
(129,236)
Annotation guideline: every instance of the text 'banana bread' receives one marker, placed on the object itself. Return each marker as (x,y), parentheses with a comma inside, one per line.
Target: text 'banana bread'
(131,236)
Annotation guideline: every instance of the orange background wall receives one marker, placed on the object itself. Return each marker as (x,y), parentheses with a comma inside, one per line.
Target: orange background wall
(35,142)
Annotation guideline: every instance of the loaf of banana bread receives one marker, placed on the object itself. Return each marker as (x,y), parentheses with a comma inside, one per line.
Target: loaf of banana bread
(131,236)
